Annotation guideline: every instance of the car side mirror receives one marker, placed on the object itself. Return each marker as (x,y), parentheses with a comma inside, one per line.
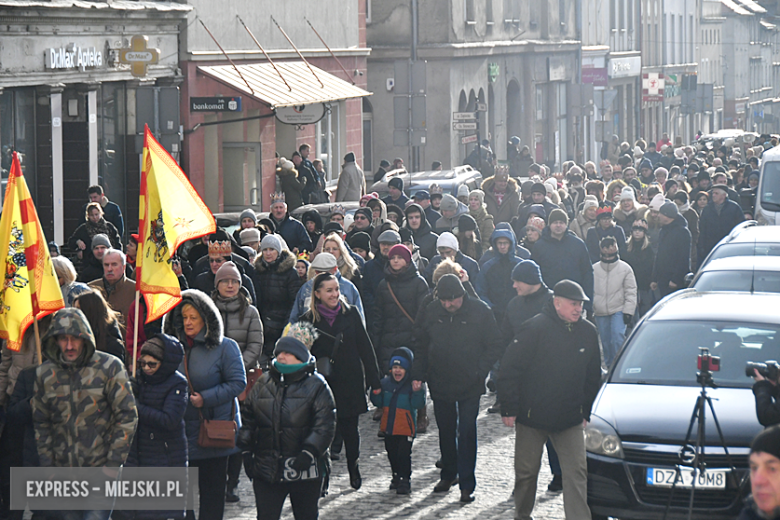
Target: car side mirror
(688,279)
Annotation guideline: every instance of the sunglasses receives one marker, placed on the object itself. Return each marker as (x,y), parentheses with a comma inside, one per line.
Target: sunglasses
(150,364)
(637,228)
(360,217)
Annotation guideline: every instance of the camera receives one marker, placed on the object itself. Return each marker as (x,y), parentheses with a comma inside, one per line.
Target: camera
(707,362)
(768,369)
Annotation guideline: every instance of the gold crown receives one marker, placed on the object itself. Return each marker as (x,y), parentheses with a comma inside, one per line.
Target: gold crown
(338,208)
(435,189)
(218,248)
(303,255)
(277,196)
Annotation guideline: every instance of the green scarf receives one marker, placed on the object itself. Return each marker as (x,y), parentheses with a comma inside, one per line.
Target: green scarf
(288,369)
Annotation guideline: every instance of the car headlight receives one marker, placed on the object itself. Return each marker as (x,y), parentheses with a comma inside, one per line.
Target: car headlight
(602,439)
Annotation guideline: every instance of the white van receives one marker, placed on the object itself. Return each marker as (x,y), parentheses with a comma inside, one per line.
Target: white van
(768,198)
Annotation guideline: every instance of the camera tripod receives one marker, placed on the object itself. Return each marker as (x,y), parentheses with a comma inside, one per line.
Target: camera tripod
(698,464)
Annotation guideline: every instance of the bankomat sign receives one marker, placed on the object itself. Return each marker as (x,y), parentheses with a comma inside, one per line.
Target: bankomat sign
(73,57)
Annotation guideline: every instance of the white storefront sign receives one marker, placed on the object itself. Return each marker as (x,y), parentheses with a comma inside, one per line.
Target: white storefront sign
(73,57)
(625,67)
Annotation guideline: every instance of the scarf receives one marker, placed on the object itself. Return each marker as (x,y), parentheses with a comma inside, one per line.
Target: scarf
(328,313)
(288,369)
(96,229)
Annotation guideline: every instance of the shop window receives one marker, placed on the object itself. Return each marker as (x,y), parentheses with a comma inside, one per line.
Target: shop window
(17,134)
(329,134)
(111,142)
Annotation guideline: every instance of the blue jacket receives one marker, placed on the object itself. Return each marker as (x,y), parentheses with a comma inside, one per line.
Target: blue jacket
(346,288)
(162,399)
(469,264)
(216,371)
(294,234)
(594,236)
(494,282)
(564,259)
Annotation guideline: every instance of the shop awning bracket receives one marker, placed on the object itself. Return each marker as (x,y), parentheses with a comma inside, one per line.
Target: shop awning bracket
(226,121)
(228,57)
(322,85)
(330,51)
(264,53)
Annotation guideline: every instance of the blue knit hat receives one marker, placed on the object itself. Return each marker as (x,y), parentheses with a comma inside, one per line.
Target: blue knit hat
(292,346)
(528,272)
(402,356)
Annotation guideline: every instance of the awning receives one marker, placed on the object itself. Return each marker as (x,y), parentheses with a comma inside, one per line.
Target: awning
(269,88)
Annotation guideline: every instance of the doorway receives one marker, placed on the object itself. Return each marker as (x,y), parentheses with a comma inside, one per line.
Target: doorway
(242,176)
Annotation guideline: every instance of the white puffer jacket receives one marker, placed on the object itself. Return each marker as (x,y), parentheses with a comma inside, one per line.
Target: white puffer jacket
(614,288)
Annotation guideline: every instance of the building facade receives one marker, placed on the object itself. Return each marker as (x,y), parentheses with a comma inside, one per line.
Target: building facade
(231,148)
(612,63)
(72,111)
(514,58)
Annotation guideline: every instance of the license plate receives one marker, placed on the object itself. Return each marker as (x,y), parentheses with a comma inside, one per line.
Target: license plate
(710,479)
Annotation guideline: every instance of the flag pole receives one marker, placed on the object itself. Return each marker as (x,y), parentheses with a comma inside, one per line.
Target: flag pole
(37,340)
(135,330)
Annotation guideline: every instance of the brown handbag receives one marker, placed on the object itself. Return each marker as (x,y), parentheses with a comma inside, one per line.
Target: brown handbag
(252,375)
(214,433)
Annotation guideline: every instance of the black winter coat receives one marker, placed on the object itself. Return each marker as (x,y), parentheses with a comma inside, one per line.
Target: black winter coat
(455,351)
(392,328)
(525,386)
(283,416)
(354,364)
(713,226)
(767,403)
(596,233)
(522,309)
(160,439)
(564,259)
(373,274)
(425,238)
(19,420)
(277,285)
(673,259)
(641,261)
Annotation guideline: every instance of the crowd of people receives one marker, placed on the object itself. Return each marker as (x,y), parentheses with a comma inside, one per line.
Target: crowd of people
(438,297)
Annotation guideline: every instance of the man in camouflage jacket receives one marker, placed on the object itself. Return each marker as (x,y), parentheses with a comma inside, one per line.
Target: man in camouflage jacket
(83,408)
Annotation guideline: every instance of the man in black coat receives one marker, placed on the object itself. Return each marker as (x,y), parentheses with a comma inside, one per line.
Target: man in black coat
(457,344)
(562,255)
(717,220)
(532,295)
(673,259)
(550,375)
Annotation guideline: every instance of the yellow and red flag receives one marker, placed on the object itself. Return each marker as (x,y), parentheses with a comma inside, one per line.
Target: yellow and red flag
(30,285)
(171,212)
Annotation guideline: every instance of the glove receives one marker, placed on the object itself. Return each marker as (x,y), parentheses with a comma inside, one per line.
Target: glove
(134,385)
(303,461)
(627,318)
(249,464)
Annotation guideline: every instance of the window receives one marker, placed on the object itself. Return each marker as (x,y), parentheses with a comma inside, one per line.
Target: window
(621,15)
(489,12)
(471,15)
(630,17)
(612,15)
(368,11)
(17,133)
(533,13)
(511,11)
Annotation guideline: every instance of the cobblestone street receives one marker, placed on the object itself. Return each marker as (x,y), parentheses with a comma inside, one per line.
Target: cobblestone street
(495,480)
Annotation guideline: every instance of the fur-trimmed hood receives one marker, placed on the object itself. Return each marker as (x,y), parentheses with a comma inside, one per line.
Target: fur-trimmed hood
(487,185)
(173,324)
(638,212)
(284,262)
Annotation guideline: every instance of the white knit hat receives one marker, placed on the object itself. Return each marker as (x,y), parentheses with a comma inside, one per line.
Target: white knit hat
(447,239)
(627,194)
(657,202)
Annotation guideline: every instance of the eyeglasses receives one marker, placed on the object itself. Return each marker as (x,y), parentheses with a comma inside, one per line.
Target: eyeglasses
(637,228)
(150,364)
(360,217)
(216,260)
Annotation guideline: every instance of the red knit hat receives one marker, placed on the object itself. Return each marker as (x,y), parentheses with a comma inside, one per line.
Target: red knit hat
(402,251)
